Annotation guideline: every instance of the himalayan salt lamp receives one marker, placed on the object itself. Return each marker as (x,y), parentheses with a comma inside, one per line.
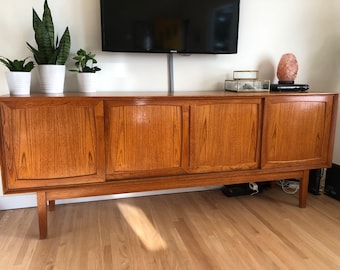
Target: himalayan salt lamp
(287,69)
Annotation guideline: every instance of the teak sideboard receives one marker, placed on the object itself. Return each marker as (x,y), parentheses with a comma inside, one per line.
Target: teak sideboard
(79,145)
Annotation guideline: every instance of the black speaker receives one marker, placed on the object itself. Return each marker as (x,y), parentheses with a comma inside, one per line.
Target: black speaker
(332,182)
(314,181)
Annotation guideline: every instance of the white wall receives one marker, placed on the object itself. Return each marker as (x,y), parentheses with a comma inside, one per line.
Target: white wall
(268,29)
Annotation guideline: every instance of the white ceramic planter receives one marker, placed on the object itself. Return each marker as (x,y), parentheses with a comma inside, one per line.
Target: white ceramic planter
(19,83)
(52,78)
(86,82)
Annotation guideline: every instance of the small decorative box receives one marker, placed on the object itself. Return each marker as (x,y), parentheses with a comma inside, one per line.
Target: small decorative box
(246,75)
(247,85)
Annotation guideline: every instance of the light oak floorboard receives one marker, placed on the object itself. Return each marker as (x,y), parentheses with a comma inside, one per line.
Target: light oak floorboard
(198,230)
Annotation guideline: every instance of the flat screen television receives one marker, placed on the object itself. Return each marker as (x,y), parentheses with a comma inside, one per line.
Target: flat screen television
(162,26)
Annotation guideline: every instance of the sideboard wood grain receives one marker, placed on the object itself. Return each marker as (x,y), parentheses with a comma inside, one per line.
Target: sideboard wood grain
(79,145)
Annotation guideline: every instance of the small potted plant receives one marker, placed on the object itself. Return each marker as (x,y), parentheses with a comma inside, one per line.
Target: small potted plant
(19,75)
(86,68)
(50,54)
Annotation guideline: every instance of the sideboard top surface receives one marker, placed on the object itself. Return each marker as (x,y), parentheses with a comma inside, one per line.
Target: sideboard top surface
(162,95)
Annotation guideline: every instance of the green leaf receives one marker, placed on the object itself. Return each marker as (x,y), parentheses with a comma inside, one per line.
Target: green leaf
(64,48)
(17,65)
(43,40)
(48,23)
(48,51)
(37,55)
(6,62)
(29,66)
(84,61)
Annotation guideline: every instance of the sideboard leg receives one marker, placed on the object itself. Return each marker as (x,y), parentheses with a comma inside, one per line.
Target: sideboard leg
(42,214)
(303,191)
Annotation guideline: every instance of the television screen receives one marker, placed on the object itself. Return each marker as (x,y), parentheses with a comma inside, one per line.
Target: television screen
(183,26)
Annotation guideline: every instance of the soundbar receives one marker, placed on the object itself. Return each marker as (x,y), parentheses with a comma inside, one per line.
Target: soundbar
(289,87)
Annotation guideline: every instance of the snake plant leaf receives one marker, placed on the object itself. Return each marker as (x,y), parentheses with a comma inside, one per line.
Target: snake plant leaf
(47,51)
(48,23)
(64,47)
(42,39)
(37,55)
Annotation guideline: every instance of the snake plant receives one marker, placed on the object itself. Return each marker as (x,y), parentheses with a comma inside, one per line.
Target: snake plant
(49,51)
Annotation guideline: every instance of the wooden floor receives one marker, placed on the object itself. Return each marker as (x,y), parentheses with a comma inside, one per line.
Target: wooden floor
(198,230)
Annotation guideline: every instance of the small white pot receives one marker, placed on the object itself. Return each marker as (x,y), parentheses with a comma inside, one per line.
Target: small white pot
(19,83)
(86,82)
(52,78)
